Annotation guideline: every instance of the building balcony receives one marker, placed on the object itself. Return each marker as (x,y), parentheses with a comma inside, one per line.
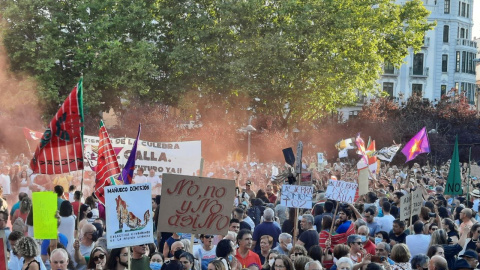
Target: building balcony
(419,73)
(466,42)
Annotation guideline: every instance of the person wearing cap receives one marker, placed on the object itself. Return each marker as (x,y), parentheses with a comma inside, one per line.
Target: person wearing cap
(248,189)
(471,256)
(462,264)
(476,199)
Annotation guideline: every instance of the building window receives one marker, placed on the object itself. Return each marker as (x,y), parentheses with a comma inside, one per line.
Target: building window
(416,89)
(388,68)
(353,114)
(443,90)
(457,62)
(446,30)
(459,7)
(468,10)
(418,64)
(446,7)
(463,9)
(388,88)
(444,62)
(464,62)
(462,32)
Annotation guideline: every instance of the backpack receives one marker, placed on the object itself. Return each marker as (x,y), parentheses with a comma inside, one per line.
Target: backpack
(19,225)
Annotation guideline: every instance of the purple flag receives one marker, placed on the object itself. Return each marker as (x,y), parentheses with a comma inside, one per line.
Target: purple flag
(417,145)
(127,173)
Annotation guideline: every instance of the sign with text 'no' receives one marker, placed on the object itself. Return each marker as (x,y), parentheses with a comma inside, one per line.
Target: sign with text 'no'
(191,204)
(411,204)
(297,196)
(341,191)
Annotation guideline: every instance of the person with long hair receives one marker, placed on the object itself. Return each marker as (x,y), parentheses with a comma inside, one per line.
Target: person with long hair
(435,250)
(452,230)
(98,259)
(401,256)
(22,213)
(472,241)
(118,259)
(226,252)
(28,248)
(216,265)
(439,237)
(23,182)
(283,262)
(270,259)
(67,223)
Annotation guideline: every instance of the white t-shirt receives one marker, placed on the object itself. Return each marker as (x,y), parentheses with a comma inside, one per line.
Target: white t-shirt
(418,244)
(385,222)
(139,179)
(155,180)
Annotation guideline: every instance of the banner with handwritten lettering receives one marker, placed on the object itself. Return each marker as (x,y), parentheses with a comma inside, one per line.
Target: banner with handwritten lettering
(191,204)
(341,191)
(297,196)
(44,206)
(411,204)
(162,157)
(128,210)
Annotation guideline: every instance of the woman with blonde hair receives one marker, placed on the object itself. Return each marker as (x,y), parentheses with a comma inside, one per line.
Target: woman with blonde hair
(216,265)
(28,248)
(401,256)
(266,243)
(22,214)
(297,250)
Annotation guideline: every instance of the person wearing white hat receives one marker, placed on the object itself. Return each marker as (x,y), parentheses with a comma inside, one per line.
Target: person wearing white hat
(476,195)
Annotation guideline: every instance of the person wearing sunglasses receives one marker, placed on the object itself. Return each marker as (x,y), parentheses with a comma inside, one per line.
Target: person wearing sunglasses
(98,259)
(139,259)
(206,252)
(357,252)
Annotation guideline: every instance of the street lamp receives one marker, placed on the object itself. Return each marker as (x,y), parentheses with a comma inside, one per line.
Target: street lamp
(249,129)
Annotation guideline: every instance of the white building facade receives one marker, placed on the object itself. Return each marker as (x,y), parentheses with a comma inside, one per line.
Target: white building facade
(445,61)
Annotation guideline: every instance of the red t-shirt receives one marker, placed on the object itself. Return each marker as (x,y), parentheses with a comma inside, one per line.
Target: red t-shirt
(369,247)
(252,258)
(76,206)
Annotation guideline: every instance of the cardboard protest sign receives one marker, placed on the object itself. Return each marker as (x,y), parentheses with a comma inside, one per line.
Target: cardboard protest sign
(44,209)
(475,171)
(193,204)
(3,250)
(363,181)
(410,204)
(162,157)
(341,191)
(128,210)
(297,196)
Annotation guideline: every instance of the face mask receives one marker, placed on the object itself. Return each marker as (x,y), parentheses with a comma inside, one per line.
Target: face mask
(289,246)
(179,234)
(363,238)
(89,215)
(155,266)
(270,262)
(230,258)
(378,240)
(177,253)
(94,236)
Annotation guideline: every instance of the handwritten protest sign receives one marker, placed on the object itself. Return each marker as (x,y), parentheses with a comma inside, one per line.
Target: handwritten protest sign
(193,204)
(341,191)
(411,204)
(162,157)
(297,196)
(128,210)
(44,208)
(3,250)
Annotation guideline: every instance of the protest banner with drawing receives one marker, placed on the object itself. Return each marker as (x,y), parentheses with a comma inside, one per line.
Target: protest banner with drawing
(411,204)
(192,204)
(128,210)
(341,191)
(44,206)
(297,196)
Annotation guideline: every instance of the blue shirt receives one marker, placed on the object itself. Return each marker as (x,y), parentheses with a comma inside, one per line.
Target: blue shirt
(45,243)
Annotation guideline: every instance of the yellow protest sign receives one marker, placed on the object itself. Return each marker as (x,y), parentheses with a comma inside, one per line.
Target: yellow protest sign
(44,208)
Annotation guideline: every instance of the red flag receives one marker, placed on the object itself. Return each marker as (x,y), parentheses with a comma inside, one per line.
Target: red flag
(107,165)
(31,134)
(61,146)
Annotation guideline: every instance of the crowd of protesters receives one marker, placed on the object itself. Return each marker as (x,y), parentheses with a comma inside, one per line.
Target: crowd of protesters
(262,233)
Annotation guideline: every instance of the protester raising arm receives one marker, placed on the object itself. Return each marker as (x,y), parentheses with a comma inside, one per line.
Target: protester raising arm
(355,211)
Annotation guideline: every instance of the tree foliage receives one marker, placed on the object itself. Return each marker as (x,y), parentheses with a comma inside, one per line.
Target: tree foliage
(299,58)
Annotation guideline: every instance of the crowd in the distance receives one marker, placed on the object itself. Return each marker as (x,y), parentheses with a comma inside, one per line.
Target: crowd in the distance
(262,233)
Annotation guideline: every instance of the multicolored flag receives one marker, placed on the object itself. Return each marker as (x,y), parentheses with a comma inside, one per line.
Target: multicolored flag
(61,146)
(107,164)
(127,173)
(387,153)
(417,145)
(454,180)
(371,156)
(343,146)
(32,134)
(361,150)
